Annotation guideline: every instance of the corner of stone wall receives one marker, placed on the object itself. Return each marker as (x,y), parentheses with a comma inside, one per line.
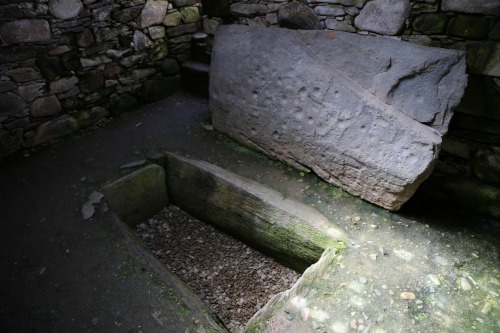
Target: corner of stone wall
(67,65)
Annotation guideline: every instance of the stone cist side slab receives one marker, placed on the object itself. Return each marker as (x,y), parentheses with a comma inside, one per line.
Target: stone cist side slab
(138,195)
(364,113)
(287,230)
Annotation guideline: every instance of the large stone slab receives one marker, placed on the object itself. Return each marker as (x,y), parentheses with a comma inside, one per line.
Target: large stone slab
(352,108)
(138,195)
(287,230)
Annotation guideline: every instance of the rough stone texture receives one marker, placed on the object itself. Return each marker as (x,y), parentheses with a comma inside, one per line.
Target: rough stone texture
(285,229)
(385,17)
(152,13)
(487,164)
(11,104)
(481,98)
(127,14)
(182,30)
(172,19)
(54,129)
(190,14)
(25,31)
(296,15)
(63,84)
(484,58)
(31,91)
(45,107)
(182,3)
(85,39)
(495,32)
(474,7)
(24,74)
(430,23)
(245,9)
(469,27)
(358,124)
(138,195)
(154,90)
(329,10)
(123,103)
(92,81)
(140,41)
(65,9)
(169,67)
(7,86)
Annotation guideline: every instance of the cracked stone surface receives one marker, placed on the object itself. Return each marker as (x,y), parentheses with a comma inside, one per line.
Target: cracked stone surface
(364,113)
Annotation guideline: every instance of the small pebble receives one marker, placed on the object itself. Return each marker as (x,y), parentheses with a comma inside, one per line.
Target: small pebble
(407,295)
(363,280)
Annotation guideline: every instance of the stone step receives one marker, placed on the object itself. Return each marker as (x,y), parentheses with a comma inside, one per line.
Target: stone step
(195,76)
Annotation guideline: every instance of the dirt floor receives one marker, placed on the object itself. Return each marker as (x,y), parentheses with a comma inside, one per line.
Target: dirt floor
(62,274)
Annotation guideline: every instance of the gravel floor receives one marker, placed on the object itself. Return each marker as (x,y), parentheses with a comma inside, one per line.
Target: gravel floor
(233,278)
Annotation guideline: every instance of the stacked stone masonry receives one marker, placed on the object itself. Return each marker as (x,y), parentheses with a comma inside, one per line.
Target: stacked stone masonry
(67,64)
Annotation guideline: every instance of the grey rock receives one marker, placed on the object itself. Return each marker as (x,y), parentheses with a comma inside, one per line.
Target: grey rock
(94,61)
(11,104)
(123,103)
(85,38)
(6,86)
(484,58)
(31,91)
(92,81)
(468,27)
(87,210)
(63,84)
(329,10)
(24,74)
(364,127)
(154,90)
(495,32)
(183,29)
(297,15)
(65,9)
(210,25)
(60,50)
(190,14)
(54,129)
(26,31)
(156,32)
(159,50)
(354,3)
(153,13)
(19,53)
(141,41)
(430,23)
(474,7)
(45,107)
(126,15)
(248,9)
(169,67)
(136,75)
(486,165)
(172,19)
(385,17)
(182,3)
(139,195)
(133,164)
(18,123)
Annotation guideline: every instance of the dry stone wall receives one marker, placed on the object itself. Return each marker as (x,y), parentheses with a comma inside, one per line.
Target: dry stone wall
(67,64)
